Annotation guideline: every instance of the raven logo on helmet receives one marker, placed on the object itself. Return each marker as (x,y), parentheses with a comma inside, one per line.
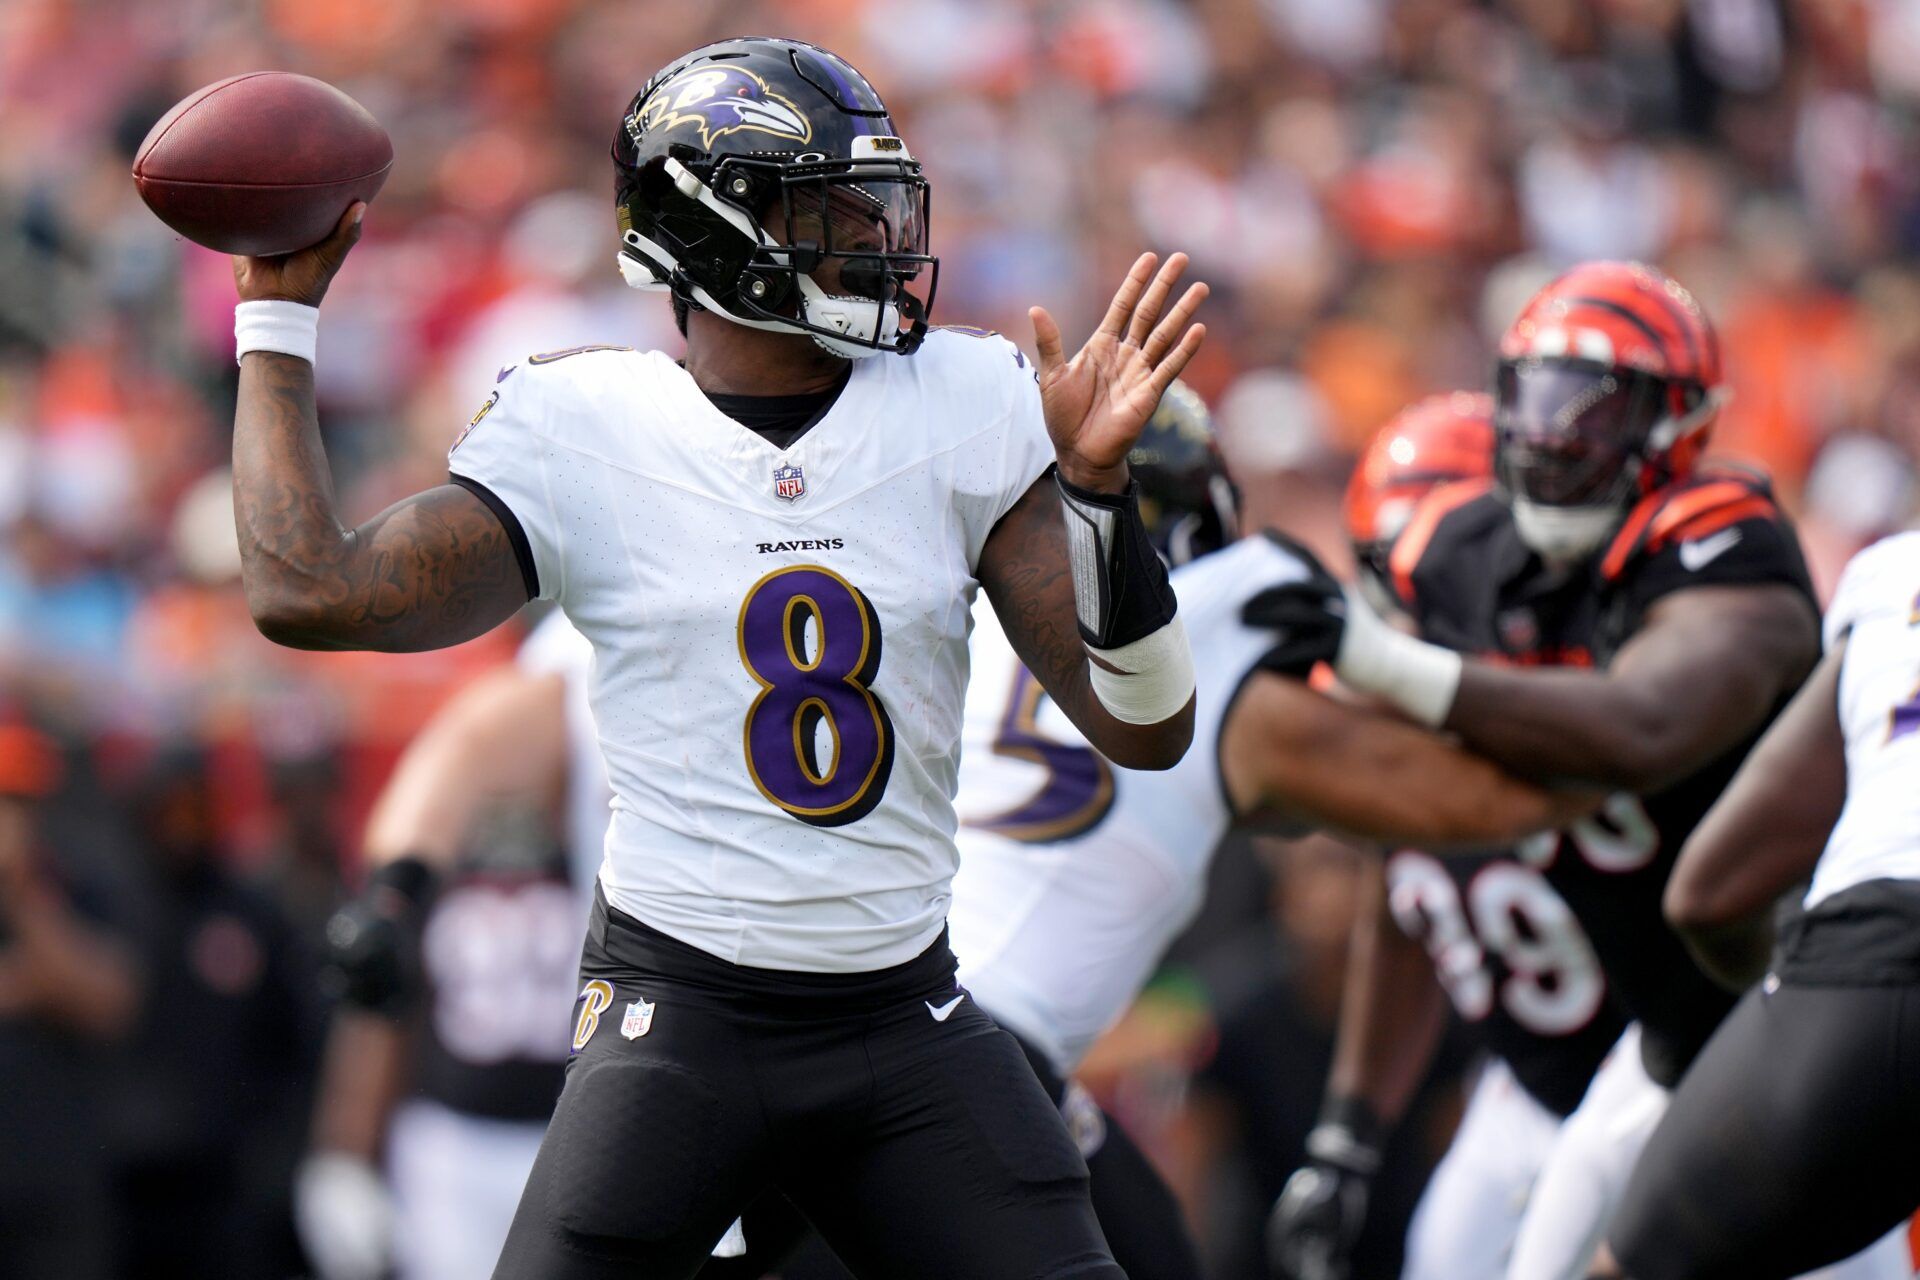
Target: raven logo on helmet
(762,180)
(718,101)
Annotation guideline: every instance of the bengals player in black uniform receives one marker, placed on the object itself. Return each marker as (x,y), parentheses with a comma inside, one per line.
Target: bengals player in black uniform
(1607,611)
(1509,953)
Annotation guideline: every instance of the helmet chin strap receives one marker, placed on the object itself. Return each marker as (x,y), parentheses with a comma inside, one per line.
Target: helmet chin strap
(854,317)
(861,323)
(1563,535)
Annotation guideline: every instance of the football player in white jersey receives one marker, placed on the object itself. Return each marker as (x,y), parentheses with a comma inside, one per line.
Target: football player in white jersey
(773,549)
(487,949)
(1792,1141)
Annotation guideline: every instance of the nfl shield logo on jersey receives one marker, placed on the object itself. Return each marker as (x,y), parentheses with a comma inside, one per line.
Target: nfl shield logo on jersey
(639,1019)
(789,483)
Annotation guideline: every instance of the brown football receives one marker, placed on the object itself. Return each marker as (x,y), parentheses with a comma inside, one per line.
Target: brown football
(261,164)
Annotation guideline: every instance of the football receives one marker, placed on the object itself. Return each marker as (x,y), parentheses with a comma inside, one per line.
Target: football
(261,164)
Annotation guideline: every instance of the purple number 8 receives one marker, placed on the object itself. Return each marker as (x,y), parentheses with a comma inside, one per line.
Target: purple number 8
(798,693)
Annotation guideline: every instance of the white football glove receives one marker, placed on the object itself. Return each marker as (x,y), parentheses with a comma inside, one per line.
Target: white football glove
(344,1214)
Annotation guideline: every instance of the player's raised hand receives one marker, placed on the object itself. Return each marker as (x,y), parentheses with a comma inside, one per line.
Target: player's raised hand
(1098,402)
(303,276)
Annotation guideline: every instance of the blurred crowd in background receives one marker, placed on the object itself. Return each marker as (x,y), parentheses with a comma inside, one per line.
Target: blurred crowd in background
(1372,187)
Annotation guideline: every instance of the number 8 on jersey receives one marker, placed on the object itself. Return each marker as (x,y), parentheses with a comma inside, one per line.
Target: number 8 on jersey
(803,689)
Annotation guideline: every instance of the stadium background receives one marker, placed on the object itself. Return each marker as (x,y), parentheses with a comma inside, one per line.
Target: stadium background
(1371,186)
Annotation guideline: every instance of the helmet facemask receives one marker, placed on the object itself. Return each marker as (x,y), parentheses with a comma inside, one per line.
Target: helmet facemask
(845,261)
(1572,438)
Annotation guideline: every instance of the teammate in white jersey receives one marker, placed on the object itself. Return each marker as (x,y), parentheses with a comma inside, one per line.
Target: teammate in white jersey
(773,549)
(1791,1141)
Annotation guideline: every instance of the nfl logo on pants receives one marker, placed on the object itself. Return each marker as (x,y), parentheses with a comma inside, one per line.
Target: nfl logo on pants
(789,483)
(639,1019)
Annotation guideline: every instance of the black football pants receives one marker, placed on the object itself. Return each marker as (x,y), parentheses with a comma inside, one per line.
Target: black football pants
(1137,1211)
(1793,1141)
(902,1122)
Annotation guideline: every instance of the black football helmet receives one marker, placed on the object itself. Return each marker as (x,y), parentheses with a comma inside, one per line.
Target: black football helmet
(1187,499)
(763,180)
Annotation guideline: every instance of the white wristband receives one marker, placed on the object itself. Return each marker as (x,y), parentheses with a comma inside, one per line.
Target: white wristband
(291,328)
(1152,677)
(1419,678)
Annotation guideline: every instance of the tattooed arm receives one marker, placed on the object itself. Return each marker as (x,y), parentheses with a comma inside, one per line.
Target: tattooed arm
(1024,569)
(431,571)
(428,572)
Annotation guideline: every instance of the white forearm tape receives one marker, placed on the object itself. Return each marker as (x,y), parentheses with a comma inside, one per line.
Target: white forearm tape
(1151,679)
(1419,678)
(291,328)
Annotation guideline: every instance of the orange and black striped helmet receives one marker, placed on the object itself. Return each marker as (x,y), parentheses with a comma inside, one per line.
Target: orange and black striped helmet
(1607,387)
(1439,440)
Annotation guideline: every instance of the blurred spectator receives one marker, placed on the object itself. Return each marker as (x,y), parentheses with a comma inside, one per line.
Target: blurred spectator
(208,1111)
(67,988)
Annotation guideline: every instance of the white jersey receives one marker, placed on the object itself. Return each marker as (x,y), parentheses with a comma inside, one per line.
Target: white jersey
(779,636)
(556,648)
(1074,874)
(1877,607)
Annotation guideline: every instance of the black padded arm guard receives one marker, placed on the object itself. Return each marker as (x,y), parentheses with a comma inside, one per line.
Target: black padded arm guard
(1120,588)
(373,941)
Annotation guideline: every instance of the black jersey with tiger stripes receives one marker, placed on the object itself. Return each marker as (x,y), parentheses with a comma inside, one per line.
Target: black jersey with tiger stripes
(1474,586)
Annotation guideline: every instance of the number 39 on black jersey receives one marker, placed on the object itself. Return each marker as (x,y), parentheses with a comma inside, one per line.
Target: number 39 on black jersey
(1473,586)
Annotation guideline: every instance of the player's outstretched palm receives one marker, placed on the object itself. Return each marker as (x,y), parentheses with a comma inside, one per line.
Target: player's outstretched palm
(1098,402)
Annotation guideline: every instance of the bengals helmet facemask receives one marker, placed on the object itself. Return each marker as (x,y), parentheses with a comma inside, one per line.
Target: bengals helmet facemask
(1606,389)
(1440,440)
(762,179)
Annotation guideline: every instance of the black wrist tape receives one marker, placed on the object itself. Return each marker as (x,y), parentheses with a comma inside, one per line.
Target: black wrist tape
(1120,588)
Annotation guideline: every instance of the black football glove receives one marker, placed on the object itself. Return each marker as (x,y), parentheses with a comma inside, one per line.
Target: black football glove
(1319,1214)
(373,941)
(1307,616)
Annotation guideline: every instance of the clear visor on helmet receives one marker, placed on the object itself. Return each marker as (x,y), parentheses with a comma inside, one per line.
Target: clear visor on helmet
(860,232)
(1569,433)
